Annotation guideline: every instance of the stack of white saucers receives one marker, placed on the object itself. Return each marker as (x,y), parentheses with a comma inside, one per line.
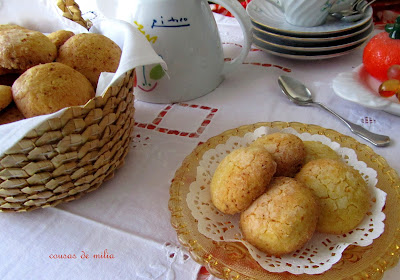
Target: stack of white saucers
(334,38)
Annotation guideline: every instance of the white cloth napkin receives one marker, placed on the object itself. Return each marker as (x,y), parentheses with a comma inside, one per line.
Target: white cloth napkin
(43,16)
(117,9)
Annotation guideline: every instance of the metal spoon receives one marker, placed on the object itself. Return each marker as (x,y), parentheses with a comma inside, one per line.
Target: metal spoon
(353,14)
(352,18)
(359,14)
(350,11)
(362,7)
(352,8)
(301,95)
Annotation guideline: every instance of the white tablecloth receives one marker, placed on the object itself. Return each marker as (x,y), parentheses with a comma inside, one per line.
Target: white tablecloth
(122,230)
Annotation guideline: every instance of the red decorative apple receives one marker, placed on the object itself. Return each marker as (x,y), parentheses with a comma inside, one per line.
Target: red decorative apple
(383,51)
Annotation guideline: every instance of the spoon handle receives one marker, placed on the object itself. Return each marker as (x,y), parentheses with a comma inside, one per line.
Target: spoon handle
(376,139)
(355,4)
(362,8)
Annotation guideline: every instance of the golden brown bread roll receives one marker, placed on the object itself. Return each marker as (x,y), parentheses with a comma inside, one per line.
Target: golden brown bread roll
(59,37)
(10,114)
(21,48)
(5,96)
(47,88)
(10,26)
(90,54)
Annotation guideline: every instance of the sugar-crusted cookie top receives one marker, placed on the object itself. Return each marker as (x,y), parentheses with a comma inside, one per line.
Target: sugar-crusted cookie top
(342,194)
(287,150)
(282,219)
(241,177)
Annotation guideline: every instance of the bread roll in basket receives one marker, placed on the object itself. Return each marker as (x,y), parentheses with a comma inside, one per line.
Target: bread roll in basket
(70,155)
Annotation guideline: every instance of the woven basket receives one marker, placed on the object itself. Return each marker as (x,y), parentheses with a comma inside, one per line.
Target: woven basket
(70,155)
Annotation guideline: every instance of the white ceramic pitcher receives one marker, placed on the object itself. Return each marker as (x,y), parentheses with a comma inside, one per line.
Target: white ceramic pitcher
(184,33)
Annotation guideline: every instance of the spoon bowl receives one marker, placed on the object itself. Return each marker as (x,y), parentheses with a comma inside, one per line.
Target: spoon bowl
(301,95)
(295,91)
(352,18)
(356,12)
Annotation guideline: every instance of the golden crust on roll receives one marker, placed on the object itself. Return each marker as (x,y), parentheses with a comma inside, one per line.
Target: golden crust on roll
(5,96)
(90,54)
(21,48)
(10,114)
(10,26)
(47,88)
(59,37)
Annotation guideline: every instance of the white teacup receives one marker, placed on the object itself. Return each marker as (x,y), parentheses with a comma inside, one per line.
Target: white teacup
(305,13)
(185,35)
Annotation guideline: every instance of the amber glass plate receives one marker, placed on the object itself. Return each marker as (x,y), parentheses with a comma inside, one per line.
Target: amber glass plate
(231,260)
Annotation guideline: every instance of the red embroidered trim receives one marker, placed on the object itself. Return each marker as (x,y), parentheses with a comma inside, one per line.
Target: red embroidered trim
(257,63)
(154,125)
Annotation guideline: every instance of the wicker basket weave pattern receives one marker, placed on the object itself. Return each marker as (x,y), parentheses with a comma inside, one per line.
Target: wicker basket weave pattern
(71,155)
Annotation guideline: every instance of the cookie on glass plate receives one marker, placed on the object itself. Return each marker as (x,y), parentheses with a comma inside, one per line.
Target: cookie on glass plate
(342,194)
(282,219)
(240,178)
(287,150)
(316,150)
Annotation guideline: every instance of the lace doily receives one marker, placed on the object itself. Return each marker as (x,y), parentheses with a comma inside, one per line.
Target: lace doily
(323,250)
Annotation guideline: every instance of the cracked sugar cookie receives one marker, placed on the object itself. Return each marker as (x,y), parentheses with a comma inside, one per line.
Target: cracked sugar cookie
(316,150)
(287,150)
(342,194)
(281,220)
(241,177)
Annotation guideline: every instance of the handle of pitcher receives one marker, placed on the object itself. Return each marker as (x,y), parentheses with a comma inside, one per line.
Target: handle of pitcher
(236,9)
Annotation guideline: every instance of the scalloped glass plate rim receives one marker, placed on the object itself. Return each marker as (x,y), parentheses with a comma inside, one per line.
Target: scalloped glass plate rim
(211,224)
(382,254)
